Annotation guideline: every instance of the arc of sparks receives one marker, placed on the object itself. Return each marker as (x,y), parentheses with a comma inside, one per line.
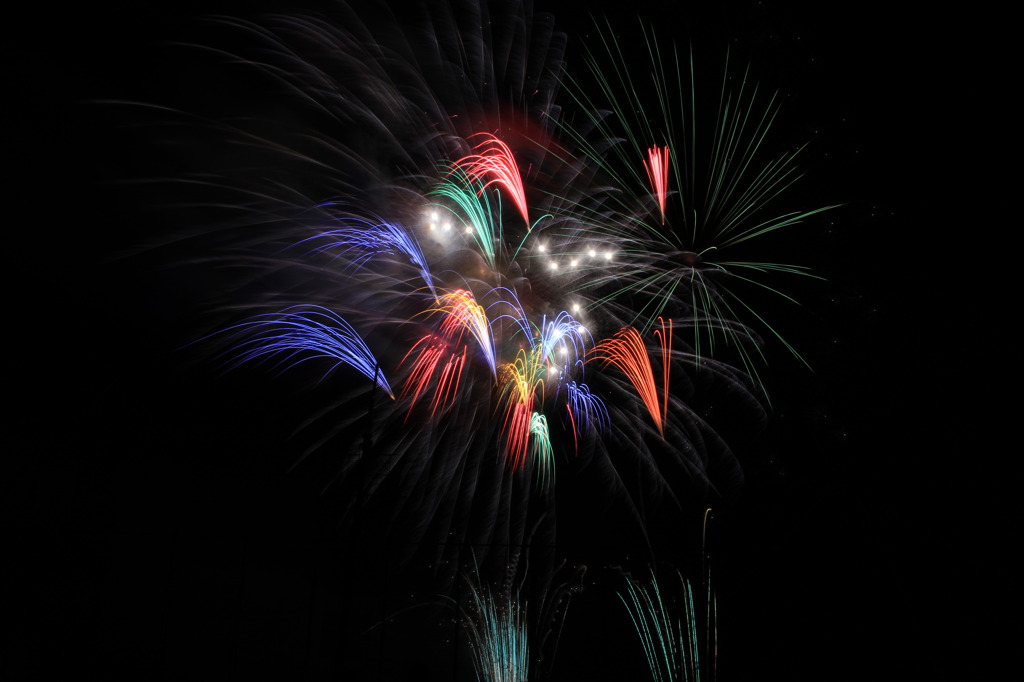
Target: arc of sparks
(564,332)
(543,452)
(474,210)
(494,164)
(302,333)
(657,166)
(366,239)
(463,313)
(627,351)
(435,357)
(520,381)
(586,410)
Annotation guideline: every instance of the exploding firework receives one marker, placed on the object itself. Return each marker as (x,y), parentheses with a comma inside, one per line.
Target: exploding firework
(494,293)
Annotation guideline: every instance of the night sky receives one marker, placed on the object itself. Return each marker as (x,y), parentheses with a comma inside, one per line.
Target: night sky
(156,532)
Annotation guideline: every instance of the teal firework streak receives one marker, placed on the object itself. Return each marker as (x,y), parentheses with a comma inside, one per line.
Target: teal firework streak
(669,631)
(498,637)
(377,231)
(474,209)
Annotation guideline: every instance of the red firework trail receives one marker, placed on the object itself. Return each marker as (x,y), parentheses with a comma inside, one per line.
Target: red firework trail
(657,171)
(495,164)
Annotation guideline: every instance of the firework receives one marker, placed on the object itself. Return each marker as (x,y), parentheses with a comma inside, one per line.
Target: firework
(628,351)
(498,637)
(533,296)
(508,638)
(711,188)
(669,631)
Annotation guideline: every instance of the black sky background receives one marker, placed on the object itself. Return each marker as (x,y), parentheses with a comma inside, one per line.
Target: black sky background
(154,534)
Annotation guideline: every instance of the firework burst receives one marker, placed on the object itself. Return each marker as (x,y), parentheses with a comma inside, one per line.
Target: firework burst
(432,237)
(707,186)
(510,639)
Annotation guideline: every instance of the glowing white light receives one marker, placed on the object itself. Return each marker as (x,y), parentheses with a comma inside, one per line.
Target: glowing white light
(607,255)
(592,253)
(542,248)
(575,307)
(573,262)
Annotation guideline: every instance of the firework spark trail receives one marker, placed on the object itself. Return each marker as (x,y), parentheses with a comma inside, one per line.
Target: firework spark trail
(507,640)
(657,167)
(363,240)
(664,335)
(476,213)
(670,640)
(461,313)
(494,164)
(498,635)
(542,452)
(587,410)
(522,385)
(437,367)
(627,351)
(304,333)
(563,341)
(434,358)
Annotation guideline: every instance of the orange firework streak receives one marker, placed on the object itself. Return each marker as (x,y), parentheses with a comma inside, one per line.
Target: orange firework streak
(665,338)
(657,172)
(494,164)
(627,351)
